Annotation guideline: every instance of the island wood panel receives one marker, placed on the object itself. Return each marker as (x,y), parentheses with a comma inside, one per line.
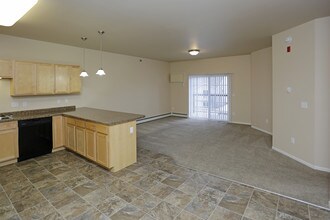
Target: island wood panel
(122,145)
(91,144)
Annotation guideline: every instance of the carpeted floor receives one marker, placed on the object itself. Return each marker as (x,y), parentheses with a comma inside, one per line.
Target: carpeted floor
(235,152)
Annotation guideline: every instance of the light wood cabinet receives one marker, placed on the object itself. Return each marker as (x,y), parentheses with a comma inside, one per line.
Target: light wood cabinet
(24,79)
(6,69)
(58,136)
(62,79)
(70,137)
(75,81)
(9,141)
(102,149)
(31,78)
(91,144)
(113,147)
(45,79)
(80,140)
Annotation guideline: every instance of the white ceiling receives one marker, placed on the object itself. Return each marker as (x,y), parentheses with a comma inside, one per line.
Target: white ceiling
(166,29)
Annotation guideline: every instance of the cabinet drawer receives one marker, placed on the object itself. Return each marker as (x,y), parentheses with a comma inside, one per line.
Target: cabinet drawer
(71,121)
(8,125)
(97,127)
(80,123)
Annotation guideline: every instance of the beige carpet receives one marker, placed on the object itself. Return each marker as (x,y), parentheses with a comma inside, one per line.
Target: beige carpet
(235,152)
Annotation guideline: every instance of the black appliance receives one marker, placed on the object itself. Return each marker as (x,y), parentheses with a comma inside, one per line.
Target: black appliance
(35,137)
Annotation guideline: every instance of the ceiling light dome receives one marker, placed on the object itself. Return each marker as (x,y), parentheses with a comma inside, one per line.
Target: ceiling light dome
(12,10)
(193,52)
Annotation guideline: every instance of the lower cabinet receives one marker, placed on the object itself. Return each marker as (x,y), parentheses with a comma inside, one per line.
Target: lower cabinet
(113,147)
(9,141)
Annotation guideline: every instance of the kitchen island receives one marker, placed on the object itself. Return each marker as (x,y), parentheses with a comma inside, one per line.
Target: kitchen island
(107,138)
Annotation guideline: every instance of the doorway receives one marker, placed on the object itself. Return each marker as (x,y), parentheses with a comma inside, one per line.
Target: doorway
(209,97)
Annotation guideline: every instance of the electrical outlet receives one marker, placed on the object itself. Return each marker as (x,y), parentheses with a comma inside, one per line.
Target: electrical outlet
(304,105)
(293,140)
(14,104)
(131,130)
(24,104)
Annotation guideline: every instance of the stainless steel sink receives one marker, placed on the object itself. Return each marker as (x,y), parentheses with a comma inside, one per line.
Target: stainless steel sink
(6,116)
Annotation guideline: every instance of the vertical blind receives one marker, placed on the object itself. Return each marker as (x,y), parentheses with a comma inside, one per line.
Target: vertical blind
(209,97)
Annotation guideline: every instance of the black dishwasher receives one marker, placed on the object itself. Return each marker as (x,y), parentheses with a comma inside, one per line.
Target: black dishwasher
(35,137)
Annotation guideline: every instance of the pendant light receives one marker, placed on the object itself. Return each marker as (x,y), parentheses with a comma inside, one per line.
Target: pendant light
(101,72)
(83,72)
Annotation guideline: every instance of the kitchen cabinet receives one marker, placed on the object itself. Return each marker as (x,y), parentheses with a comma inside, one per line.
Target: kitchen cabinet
(80,137)
(24,79)
(90,144)
(9,141)
(58,136)
(70,134)
(30,78)
(113,147)
(45,79)
(67,79)
(6,69)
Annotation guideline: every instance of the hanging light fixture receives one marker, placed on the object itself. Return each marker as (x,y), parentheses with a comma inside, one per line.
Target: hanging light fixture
(83,72)
(101,72)
(193,52)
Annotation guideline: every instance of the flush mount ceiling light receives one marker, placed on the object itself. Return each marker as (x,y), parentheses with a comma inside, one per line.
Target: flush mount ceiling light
(83,72)
(193,52)
(101,72)
(12,10)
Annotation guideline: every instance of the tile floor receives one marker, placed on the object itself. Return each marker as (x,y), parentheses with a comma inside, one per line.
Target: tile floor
(65,186)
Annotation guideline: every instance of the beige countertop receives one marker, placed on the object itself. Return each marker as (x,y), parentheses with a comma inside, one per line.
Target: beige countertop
(102,116)
(90,114)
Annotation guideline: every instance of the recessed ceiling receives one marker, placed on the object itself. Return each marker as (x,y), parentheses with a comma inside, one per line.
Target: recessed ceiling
(166,30)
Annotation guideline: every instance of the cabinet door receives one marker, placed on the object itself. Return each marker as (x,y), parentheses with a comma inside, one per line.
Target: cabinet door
(62,79)
(58,140)
(45,79)
(70,137)
(24,79)
(91,144)
(6,69)
(80,140)
(75,79)
(102,149)
(9,144)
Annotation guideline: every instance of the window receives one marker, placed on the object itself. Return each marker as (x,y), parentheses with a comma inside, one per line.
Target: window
(209,97)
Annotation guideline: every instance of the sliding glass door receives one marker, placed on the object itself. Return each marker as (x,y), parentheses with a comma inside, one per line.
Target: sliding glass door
(209,97)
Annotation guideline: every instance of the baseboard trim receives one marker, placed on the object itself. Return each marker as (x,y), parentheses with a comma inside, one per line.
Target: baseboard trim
(58,149)
(324,169)
(182,115)
(262,130)
(240,123)
(152,118)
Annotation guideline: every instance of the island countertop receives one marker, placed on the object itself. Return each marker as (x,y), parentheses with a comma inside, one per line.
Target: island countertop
(103,116)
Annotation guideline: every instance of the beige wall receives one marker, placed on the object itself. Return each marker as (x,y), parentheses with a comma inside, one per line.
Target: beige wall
(306,70)
(261,89)
(238,66)
(130,85)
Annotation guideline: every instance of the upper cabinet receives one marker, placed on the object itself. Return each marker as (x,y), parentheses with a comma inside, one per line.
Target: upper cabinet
(31,78)
(6,69)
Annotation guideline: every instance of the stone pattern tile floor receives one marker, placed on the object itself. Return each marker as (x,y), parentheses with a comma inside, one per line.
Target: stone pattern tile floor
(62,185)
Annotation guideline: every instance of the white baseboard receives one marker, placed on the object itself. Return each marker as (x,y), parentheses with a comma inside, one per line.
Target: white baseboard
(179,115)
(143,120)
(240,123)
(324,169)
(262,130)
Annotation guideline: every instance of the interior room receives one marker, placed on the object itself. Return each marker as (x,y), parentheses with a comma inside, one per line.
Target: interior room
(155,110)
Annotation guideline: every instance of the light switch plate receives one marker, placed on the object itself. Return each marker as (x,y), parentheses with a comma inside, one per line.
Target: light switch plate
(131,130)
(304,105)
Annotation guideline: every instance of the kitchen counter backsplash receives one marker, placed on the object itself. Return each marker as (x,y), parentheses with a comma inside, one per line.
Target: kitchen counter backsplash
(37,113)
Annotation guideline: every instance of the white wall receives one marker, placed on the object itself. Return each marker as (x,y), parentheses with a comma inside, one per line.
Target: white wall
(261,89)
(240,69)
(306,70)
(129,86)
